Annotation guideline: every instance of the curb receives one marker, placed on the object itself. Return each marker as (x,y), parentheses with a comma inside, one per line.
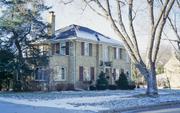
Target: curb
(143,108)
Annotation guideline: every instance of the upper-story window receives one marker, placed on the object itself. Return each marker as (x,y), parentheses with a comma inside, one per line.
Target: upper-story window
(118,53)
(86,49)
(61,48)
(86,46)
(105,52)
(55,48)
(64,48)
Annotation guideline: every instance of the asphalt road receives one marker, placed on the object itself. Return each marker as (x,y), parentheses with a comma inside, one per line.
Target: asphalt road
(160,109)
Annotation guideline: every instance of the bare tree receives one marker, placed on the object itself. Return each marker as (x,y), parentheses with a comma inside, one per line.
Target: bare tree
(112,11)
(175,30)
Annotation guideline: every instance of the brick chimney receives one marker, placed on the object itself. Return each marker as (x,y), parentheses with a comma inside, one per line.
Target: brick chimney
(51,20)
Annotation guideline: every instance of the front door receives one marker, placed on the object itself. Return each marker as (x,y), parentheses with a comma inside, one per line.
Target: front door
(108,72)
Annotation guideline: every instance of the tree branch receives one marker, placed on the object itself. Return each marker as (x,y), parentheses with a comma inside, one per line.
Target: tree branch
(93,9)
(174,28)
(161,26)
(132,31)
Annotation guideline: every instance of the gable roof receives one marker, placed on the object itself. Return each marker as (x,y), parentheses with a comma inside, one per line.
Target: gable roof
(80,32)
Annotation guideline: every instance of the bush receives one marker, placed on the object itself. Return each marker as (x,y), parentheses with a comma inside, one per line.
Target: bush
(131,85)
(112,87)
(122,82)
(102,82)
(17,86)
(92,88)
(64,87)
(60,87)
(70,87)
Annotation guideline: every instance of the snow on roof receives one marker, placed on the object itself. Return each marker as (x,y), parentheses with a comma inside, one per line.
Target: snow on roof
(81,32)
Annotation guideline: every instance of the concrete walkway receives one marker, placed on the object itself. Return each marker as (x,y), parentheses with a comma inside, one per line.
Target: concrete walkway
(166,108)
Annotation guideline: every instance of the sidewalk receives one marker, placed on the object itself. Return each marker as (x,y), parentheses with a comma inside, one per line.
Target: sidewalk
(144,108)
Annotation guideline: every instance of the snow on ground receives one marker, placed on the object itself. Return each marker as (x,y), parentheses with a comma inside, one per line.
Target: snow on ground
(88,101)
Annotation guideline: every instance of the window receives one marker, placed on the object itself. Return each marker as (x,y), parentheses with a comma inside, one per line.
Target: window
(63,48)
(81,73)
(40,74)
(86,74)
(120,53)
(92,73)
(63,73)
(55,48)
(105,53)
(60,73)
(86,49)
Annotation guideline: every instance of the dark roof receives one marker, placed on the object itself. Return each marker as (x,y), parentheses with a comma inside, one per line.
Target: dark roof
(75,30)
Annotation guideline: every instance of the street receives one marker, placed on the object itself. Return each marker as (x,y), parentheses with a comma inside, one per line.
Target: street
(159,109)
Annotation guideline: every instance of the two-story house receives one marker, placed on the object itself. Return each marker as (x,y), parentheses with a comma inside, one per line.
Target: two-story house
(78,54)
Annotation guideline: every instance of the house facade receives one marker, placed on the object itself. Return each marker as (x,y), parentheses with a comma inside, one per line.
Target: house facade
(78,54)
(171,76)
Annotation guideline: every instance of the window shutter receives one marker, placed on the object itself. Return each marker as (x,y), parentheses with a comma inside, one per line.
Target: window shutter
(67,48)
(57,46)
(114,74)
(53,49)
(120,53)
(80,73)
(114,53)
(90,49)
(92,73)
(82,48)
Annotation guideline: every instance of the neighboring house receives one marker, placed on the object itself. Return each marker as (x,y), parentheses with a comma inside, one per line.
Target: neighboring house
(171,77)
(78,54)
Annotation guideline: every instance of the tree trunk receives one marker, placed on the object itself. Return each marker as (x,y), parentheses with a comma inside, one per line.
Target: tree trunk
(150,77)
(151,82)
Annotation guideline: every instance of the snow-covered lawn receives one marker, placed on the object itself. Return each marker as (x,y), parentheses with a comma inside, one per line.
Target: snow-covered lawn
(89,101)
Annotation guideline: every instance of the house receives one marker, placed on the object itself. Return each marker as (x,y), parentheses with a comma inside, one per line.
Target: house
(78,54)
(171,75)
